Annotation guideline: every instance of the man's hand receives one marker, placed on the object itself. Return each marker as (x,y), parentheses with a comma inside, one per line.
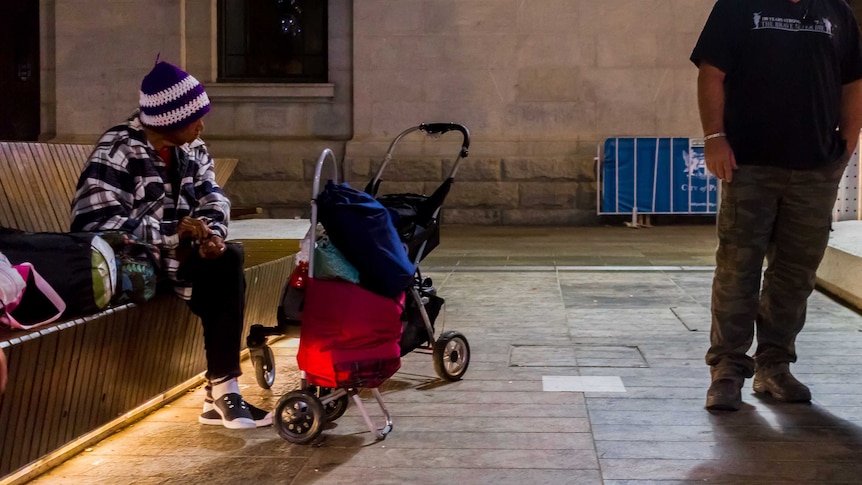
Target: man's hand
(212,248)
(194,229)
(2,371)
(720,160)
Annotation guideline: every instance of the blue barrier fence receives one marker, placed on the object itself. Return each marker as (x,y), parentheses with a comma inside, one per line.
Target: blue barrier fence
(640,176)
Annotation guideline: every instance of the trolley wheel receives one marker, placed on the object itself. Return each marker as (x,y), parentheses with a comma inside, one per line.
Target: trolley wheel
(451,355)
(299,417)
(334,409)
(264,366)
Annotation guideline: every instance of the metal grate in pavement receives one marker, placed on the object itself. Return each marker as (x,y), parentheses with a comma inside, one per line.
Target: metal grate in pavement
(576,356)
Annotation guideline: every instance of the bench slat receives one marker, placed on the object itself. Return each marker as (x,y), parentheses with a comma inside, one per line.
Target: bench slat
(6,405)
(224,168)
(22,211)
(113,369)
(79,404)
(9,186)
(67,168)
(78,155)
(18,430)
(162,360)
(66,427)
(32,189)
(45,170)
(7,215)
(91,398)
(130,362)
(112,365)
(41,386)
(62,344)
(69,161)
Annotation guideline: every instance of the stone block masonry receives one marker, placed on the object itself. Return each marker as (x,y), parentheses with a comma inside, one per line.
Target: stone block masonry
(520,190)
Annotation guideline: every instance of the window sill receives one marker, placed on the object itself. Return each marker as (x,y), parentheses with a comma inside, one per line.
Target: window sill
(271,92)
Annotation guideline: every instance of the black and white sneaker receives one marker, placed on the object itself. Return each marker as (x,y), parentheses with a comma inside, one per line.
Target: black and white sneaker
(233,412)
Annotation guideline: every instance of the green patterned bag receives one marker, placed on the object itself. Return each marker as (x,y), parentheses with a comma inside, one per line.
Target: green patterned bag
(330,264)
(137,267)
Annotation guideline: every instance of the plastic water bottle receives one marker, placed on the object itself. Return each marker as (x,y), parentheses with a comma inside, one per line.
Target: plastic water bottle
(305,247)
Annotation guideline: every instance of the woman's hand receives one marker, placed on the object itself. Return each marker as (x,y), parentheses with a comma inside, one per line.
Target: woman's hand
(212,247)
(194,229)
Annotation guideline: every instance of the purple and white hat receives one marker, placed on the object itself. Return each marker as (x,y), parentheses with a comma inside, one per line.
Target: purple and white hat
(171,98)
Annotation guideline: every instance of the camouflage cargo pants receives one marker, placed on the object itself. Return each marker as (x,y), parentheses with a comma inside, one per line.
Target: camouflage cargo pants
(783,215)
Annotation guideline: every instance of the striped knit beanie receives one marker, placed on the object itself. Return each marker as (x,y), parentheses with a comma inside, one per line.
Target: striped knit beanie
(171,98)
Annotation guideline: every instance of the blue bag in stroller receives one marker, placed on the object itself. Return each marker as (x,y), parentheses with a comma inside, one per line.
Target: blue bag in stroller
(362,229)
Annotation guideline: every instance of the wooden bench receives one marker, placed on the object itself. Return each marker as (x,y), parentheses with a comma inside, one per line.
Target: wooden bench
(74,382)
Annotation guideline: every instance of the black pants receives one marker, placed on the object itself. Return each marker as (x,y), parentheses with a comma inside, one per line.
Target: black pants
(218,298)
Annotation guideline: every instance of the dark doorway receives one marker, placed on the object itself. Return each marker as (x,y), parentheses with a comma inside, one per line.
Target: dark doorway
(19,70)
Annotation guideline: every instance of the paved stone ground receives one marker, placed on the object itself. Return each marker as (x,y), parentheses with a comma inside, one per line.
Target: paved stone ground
(634,338)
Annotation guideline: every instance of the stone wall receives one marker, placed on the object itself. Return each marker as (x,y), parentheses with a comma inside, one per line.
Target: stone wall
(539,83)
(95,54)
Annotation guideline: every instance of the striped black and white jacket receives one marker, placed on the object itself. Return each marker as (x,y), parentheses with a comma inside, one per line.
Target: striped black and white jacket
(126,186)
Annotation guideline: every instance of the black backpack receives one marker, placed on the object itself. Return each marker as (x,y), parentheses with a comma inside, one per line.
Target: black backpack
(79,266)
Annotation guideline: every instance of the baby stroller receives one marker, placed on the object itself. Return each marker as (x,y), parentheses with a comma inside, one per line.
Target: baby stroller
(418,226)
(349,335)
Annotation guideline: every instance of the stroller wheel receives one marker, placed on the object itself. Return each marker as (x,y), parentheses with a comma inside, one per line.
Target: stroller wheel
(264,366)
(299,417)
(451,356)
(335,408)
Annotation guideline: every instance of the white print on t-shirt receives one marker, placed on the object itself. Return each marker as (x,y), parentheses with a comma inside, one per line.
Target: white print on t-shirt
(821,26)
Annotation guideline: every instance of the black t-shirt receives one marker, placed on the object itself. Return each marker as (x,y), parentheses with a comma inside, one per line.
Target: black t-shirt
(785,64)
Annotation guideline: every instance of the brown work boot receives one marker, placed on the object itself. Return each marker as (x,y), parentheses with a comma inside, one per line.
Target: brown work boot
(781,385)
(724,395)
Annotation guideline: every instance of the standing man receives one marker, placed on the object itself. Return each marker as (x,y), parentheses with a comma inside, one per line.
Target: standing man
(780,101)
(153,177)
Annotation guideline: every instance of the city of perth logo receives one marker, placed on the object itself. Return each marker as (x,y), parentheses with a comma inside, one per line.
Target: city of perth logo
(695,163)
(697,179)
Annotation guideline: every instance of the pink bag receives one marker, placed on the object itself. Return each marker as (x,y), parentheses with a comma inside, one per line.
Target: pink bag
(13,285)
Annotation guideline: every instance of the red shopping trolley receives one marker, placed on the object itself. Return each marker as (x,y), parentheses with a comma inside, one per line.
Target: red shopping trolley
(349,340)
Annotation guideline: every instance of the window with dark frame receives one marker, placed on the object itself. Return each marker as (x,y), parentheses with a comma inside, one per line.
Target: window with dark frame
(272,41)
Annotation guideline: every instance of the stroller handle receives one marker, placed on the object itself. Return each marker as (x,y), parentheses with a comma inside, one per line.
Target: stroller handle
(440,128)
(430,129)
(326,154)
